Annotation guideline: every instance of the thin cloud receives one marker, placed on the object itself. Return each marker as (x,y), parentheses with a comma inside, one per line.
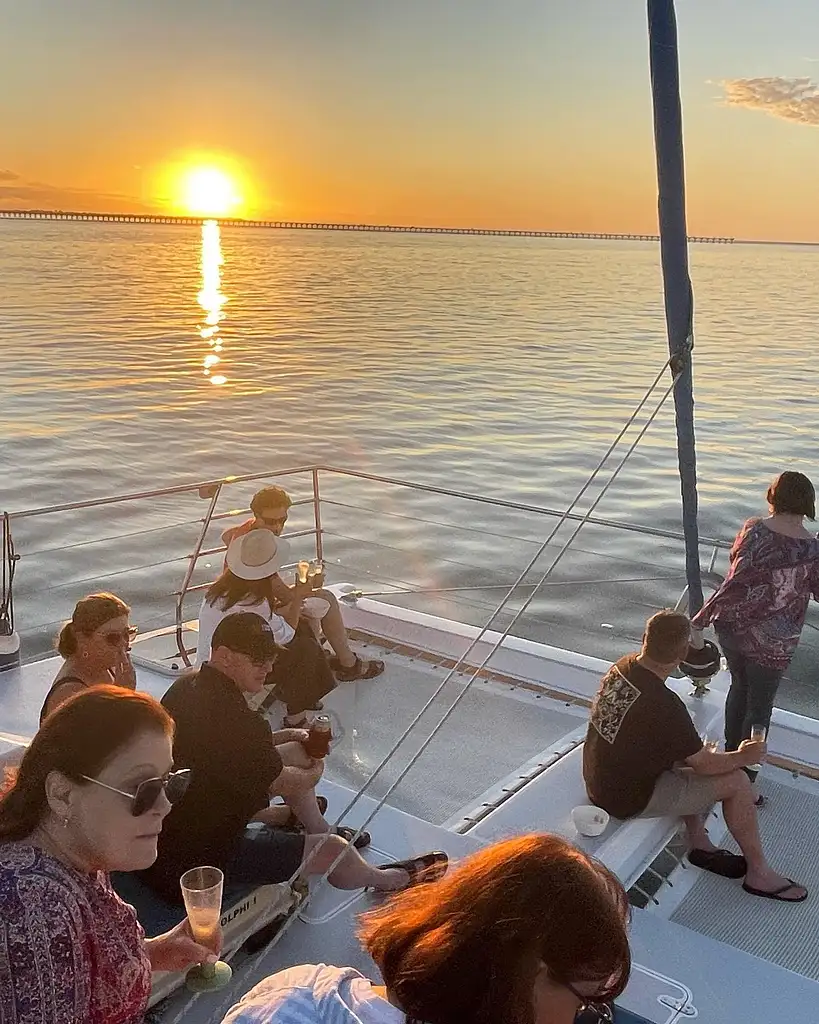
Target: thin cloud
(792,99)
(16,193)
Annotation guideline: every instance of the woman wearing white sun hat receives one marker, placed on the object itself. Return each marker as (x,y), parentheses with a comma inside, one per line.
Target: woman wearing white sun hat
(302,674)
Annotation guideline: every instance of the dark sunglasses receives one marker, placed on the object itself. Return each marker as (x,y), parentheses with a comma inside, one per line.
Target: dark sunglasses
(147,793)
(590,1012)
(272,522)
(119,637)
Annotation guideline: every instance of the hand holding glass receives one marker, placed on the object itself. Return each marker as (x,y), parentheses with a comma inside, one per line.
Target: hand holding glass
(316,574)
(202,893)
(759,734)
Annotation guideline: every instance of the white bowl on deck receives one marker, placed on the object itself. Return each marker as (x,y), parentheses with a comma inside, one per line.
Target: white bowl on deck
(590,820)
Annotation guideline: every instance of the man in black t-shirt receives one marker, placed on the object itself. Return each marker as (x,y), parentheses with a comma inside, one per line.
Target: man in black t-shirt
(236,768)
(643,757)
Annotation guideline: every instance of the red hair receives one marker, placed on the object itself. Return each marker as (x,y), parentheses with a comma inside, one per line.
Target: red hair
(467,949)
(77,739)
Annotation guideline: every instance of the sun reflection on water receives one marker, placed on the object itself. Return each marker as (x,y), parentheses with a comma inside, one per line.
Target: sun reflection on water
(212,299)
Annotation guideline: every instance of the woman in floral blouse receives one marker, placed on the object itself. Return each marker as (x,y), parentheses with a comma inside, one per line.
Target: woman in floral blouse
(88,798)
(759,610)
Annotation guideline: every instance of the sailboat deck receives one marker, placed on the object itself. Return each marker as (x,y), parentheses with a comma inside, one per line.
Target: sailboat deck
(496,727)
(781,934)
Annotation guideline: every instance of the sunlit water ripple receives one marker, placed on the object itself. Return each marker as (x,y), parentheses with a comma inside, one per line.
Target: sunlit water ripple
(490,365)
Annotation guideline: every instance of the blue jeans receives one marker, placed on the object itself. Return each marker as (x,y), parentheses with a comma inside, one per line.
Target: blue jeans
(751,696)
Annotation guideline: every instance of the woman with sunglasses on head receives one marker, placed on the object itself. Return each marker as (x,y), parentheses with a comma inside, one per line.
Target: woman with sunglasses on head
(88,798)
(94,644)
(528,931)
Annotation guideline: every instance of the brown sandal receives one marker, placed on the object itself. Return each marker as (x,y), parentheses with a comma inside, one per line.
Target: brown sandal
(360,669)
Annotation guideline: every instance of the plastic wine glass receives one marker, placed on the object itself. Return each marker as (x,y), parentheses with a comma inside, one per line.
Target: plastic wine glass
(758,733)
(315,573)
(202,893)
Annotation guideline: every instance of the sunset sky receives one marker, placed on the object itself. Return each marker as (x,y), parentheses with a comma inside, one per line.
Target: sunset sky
(495,113)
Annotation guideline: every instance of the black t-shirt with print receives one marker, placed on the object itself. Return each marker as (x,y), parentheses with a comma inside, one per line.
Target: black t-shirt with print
(638,729)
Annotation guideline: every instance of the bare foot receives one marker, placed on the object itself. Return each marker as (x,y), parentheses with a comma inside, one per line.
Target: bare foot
(393,879)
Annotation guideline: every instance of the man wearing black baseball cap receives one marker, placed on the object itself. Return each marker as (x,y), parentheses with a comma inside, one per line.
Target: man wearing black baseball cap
(237,765)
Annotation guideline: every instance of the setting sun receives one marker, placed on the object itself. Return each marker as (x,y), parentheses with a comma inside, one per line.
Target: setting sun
(209,192)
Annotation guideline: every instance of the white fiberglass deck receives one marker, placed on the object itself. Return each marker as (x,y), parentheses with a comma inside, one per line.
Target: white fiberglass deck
(780,933)
(495,729)
(510,755)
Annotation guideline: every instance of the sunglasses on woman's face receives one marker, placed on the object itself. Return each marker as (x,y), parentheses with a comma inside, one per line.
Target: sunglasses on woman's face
(590,1012)
(273,521)
(120,637)
(147,793)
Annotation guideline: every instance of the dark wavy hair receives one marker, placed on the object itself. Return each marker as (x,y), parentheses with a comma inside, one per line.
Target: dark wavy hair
(79,738)
(229,590)
(467,949)
(793,492)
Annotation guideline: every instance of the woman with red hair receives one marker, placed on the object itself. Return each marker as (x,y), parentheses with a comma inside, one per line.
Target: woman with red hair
(528,931)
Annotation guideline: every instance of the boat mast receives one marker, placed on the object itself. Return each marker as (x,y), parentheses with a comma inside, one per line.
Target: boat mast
(679,300)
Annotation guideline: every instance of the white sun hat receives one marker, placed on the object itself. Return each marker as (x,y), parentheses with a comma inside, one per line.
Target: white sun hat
(257,554)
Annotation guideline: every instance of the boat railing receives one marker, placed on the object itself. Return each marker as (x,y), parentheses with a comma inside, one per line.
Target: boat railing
(313,483)
(406,542)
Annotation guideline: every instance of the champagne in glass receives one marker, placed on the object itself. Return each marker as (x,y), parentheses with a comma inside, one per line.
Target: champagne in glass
(302,570)
(202,893)
(758,732)
(316,573)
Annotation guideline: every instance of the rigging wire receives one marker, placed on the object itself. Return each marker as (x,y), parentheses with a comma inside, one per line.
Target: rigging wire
(482,632)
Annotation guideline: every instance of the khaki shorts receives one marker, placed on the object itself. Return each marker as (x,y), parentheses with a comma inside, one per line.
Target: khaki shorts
(681,792)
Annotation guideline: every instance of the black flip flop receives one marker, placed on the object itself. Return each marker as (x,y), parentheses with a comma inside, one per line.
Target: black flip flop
(294,823)
(719,862)
(428,867)
(362,668)
(776,894)
(346,832)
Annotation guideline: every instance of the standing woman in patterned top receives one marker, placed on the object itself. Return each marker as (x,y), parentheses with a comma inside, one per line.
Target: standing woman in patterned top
(89,797)
(759,610)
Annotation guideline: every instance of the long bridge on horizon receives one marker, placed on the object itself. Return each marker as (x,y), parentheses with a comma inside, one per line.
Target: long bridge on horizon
(300,225)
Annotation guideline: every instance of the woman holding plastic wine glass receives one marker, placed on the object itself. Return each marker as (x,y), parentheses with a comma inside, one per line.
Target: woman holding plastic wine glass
(759,610)
(89,798)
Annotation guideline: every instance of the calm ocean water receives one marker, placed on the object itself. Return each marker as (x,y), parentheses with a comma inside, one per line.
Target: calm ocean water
(490,365)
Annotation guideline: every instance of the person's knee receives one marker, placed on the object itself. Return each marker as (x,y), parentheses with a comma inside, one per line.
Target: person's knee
(321,851)
(328,596)
(735,784)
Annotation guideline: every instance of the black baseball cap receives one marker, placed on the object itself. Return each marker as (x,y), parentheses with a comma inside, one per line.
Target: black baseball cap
(246,633)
